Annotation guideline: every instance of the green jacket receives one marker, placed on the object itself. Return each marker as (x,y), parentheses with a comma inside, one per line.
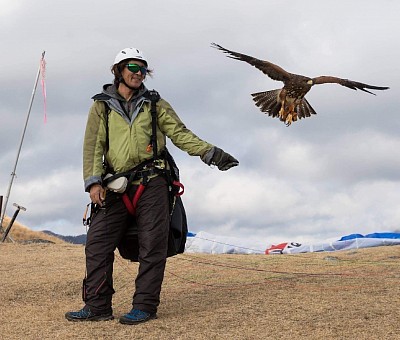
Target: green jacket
(130,137)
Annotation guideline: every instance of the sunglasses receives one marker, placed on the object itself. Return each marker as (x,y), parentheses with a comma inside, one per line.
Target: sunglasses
(135,68)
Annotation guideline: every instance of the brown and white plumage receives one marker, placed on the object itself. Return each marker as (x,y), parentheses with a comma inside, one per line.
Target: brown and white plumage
(288,103)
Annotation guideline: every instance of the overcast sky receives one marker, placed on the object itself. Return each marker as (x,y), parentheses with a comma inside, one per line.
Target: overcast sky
(326,176)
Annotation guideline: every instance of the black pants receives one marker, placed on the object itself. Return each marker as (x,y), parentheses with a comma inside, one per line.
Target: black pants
(106,231)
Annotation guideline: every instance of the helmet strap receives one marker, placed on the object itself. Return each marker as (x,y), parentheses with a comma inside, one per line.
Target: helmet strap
(122,80)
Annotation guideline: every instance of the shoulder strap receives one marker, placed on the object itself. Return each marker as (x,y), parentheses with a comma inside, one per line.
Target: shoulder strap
(107,146)
(103,98)
(154,97)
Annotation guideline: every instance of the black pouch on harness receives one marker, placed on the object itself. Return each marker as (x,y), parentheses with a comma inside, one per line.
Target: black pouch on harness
(129,246)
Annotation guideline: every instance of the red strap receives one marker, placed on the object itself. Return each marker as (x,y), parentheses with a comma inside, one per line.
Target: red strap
(131,205)
(128,204)
(137,195)
(180,185)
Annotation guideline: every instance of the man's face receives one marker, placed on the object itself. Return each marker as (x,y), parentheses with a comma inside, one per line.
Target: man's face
(132,78)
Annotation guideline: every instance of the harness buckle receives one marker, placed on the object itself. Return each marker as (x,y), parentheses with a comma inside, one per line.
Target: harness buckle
(159,164)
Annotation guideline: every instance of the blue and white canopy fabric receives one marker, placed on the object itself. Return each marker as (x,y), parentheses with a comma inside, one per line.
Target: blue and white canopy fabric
(203,242)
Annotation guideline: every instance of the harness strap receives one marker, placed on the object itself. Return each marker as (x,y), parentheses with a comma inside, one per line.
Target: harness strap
(154,97)
(132,204)
(93,210)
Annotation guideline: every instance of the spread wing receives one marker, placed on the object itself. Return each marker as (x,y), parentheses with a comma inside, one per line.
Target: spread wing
(354,85)
(273,71)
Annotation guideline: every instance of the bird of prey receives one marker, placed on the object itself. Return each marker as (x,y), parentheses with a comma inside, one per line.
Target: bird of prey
(288,103)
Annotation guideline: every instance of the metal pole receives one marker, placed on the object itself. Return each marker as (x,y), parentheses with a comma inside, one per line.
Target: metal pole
(1,209)
(1,226)
(22,139)
(12,221)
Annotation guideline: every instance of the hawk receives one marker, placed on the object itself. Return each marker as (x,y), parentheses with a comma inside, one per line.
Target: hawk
(288,103)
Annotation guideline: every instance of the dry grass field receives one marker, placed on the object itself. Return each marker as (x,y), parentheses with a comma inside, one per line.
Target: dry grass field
(21,233)
(340,295)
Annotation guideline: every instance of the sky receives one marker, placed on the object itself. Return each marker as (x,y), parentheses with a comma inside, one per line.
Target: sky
(330,175)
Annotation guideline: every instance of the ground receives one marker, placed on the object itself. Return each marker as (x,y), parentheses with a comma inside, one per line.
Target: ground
(339,295)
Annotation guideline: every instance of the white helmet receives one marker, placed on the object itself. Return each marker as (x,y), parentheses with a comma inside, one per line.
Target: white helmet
(130,53)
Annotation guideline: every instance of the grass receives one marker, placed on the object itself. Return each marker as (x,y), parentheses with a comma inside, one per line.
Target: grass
(21,233)
(341,295)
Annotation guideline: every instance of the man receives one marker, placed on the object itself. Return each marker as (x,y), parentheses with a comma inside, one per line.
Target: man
(118,131)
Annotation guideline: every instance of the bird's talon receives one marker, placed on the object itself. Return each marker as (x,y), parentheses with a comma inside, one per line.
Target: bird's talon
(289,119)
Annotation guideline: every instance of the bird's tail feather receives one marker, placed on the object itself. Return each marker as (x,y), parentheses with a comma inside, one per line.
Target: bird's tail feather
(268,102)
(304,109)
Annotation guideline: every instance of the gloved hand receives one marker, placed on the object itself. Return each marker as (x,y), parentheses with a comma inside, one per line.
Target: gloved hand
(218,157)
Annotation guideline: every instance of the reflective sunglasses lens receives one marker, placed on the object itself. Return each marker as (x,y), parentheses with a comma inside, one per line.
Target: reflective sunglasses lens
(134,68)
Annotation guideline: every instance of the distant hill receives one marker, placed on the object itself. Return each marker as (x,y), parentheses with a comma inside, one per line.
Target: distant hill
(80,239)
(22,234)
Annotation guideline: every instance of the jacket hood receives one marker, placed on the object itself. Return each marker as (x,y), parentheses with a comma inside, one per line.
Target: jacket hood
(111,91)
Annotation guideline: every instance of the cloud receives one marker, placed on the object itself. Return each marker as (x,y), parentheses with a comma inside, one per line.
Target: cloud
(8,8)
(327,175)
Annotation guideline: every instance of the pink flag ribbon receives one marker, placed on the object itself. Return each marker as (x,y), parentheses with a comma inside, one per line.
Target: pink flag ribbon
(43,82)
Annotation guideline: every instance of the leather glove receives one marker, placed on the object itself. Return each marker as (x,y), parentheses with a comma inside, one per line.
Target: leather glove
(218,157)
